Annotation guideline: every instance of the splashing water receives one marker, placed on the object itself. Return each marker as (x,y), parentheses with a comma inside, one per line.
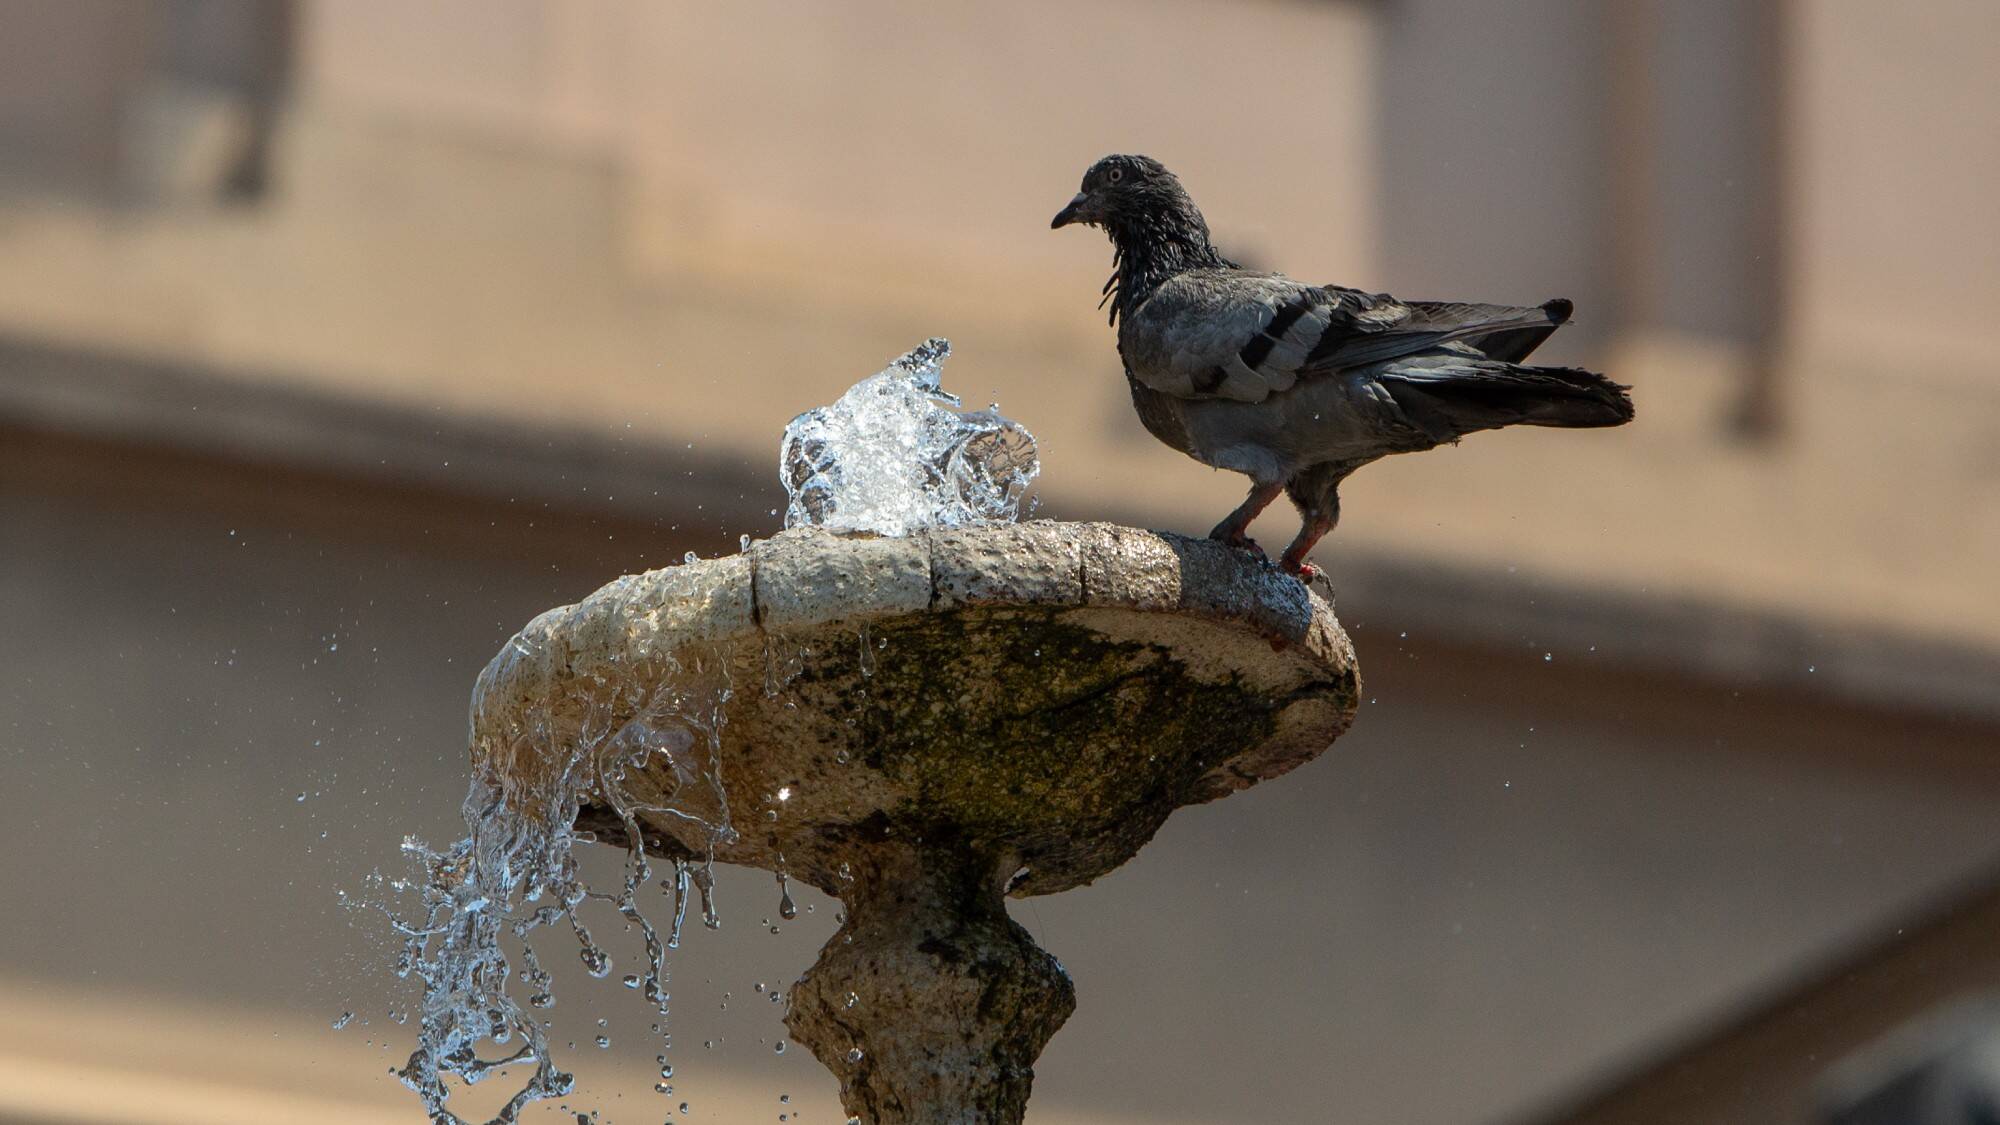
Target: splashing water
(890,456)
(517,870)
(893,456)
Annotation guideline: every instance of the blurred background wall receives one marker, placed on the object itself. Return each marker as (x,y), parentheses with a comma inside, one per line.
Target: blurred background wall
(339,338)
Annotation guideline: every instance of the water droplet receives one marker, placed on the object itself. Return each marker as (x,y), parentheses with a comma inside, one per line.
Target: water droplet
(340,1020)
(854,1054)
(778,1047)
(704,882)
(604,1041)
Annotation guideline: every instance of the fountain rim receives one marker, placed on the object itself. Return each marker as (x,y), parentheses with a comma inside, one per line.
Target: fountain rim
(1108,576)
(1073,571)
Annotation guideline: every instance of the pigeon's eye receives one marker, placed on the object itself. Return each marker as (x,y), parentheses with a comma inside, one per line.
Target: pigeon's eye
(1117,174)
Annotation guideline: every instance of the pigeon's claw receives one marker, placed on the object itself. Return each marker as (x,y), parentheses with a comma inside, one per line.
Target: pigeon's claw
(1306,572)
(1235,527)
(1238,540)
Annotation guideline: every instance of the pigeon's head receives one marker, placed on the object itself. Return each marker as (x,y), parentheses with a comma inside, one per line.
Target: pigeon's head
(1120,189)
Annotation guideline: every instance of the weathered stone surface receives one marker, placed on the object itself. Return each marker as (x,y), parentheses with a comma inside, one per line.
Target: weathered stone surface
(1129,568)
(959,715)
(1007,564)
(804,579)
(930,1004)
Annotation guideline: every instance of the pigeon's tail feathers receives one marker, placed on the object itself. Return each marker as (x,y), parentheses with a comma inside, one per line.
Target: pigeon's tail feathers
(1449,397)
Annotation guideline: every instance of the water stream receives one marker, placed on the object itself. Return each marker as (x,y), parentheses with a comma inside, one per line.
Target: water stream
(892,456)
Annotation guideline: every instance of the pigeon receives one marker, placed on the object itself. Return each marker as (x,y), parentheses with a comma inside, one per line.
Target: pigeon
(1295,385)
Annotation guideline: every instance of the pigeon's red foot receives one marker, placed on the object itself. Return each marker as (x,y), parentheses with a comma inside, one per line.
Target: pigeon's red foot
(1300,569)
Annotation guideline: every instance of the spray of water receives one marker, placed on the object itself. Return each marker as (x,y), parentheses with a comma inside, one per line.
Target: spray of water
(892,456)
(516,872)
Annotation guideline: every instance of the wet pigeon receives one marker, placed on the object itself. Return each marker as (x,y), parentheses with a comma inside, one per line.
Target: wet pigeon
(1294,385)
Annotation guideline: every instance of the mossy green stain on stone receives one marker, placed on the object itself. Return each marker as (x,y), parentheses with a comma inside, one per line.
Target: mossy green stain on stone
(1079,728)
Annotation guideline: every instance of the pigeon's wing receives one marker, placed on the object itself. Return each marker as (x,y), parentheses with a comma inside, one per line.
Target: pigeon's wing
(1223,333)
(1504,332)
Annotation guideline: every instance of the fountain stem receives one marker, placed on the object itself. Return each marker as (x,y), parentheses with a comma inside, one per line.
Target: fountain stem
(930,1004)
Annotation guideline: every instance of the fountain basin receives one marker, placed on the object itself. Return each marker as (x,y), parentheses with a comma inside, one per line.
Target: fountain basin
(918,726)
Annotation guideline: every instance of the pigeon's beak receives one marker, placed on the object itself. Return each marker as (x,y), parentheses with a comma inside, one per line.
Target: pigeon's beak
(1076,212)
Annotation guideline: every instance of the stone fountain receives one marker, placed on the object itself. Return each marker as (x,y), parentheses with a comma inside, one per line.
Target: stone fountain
(1010,709)
(919,725)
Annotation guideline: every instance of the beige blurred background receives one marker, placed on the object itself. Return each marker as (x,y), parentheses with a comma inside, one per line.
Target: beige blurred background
(339,337)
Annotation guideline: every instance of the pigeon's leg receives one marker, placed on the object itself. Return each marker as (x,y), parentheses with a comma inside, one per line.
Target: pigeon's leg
(1316,492)
(1317,524)
(1234,529)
